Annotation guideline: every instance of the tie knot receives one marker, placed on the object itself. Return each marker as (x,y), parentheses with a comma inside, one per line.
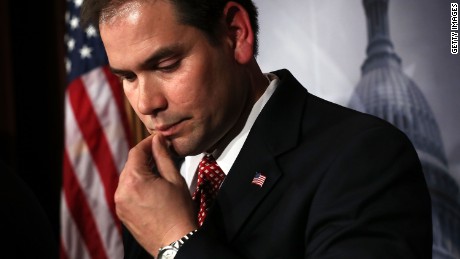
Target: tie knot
(209,171)
(209,168)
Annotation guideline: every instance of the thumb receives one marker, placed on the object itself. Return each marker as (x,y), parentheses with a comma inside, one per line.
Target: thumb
(163,160)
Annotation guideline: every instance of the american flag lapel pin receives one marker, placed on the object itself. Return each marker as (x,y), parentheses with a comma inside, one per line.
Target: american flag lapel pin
(259,179)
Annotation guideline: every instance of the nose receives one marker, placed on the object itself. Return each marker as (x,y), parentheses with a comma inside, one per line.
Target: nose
(151,98)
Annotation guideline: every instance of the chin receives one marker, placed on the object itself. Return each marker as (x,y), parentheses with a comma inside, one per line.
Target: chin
(182,148)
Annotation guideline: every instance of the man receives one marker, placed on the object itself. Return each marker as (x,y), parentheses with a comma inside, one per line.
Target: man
(304,178)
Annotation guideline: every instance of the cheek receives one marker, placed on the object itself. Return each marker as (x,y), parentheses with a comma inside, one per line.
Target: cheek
(188,92)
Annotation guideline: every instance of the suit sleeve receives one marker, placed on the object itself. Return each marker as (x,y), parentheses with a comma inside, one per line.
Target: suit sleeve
(373,201)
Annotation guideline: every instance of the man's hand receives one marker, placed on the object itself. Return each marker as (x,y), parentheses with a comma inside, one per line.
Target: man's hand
(156,208)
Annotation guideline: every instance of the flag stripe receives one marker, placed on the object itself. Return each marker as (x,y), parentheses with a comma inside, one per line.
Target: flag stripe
(62,247)
(91,130)
(89,179)
(117,91)
(81,212)
(100,93)
(72,243)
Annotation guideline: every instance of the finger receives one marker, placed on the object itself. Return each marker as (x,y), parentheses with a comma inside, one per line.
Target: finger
(163,159)
(141,154)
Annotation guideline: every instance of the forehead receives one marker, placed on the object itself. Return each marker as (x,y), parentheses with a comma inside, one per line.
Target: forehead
(138,29)
(137,20)
(127,10)
(112,13)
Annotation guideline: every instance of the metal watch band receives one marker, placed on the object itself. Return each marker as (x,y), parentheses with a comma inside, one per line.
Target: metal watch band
(174,246)
(178,243)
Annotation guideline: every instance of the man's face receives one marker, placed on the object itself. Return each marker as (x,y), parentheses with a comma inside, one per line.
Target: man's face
(179,84)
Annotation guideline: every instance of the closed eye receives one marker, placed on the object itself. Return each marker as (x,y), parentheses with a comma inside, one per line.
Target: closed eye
(124,75)
(130,77)
(169,65)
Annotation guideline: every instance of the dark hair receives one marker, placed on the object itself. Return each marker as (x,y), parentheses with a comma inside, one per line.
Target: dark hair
(202,14)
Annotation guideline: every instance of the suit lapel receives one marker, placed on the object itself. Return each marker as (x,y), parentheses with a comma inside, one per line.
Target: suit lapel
(238,195)
(274,132)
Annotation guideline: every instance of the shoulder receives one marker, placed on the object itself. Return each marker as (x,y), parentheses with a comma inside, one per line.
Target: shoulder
(301,121)
(322,117)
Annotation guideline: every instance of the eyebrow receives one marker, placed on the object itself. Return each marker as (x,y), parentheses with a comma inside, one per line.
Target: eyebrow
(153,60)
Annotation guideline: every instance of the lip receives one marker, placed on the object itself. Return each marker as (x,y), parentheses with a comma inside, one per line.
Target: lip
(168,129)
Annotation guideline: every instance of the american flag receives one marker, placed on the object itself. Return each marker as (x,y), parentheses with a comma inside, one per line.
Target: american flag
(96,146)
(259,179)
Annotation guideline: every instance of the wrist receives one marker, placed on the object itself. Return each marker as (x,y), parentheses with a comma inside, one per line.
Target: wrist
(175,232)
(170,251)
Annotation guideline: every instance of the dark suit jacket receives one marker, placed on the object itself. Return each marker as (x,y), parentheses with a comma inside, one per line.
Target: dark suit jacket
(340,184)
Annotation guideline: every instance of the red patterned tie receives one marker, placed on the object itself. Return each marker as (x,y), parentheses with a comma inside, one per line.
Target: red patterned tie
(210,177)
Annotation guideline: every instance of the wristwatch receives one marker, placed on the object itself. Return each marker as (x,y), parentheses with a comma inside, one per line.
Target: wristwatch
(170,251)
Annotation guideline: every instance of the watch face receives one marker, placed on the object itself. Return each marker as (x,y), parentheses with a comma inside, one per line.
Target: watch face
(168,253)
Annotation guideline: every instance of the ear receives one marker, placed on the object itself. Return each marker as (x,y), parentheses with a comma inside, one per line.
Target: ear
(240,32)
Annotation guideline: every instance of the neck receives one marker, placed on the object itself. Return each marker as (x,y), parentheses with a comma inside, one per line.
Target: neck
(257,83)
